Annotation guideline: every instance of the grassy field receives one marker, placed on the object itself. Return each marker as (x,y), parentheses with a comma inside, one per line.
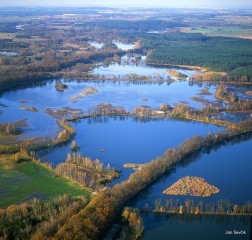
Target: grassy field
(225,31)
(28,180)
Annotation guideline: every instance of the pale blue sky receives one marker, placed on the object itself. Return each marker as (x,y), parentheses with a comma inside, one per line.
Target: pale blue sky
(133,3)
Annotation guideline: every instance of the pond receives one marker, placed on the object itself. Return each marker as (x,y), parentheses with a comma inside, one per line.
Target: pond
(96,45)
(130,66)
(118,93)
(124,46)
(233,117)
(243,92)
(126,140)
(120,45)
(10,54)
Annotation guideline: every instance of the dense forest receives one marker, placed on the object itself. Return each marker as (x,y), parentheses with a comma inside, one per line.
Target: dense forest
(88,172)
(8,128)
(38,218)
(231,55)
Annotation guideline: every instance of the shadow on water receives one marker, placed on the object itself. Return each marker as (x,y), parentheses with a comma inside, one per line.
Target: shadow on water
(136,119)
(217,227)
(191,218)
(14,86)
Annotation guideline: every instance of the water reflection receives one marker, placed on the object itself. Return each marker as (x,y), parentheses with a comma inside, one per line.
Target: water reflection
(180,227)
(123,46)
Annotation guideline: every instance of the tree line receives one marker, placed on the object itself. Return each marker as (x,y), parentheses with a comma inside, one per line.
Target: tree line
(65,135)
(189,206)
(90,173)
(38,219)
(8,128)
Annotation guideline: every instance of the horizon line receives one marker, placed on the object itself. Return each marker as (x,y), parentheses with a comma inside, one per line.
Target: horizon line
(131,7)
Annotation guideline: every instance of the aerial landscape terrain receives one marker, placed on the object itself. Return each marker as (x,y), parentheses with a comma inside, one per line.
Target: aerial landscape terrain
(125,122)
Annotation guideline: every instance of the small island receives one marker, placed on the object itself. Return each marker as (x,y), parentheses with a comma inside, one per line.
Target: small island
(248,93)
(59,113)
(60,86)
(86,92)
(134,166)
(192,186)
(176,74)
(31,109)
(109,109)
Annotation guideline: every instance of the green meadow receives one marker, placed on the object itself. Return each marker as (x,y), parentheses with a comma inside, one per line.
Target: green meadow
(28,180)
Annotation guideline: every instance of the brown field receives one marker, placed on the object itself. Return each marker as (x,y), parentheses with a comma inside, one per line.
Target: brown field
(173,72)
(197,68)
(223,31)
(248,92)
(7,35)
(81,51)
(9,139)
(246,37)
(37,38)
(243,20)
(208,75)
(30,40)
(72,45)
(197,99)
(60,27)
